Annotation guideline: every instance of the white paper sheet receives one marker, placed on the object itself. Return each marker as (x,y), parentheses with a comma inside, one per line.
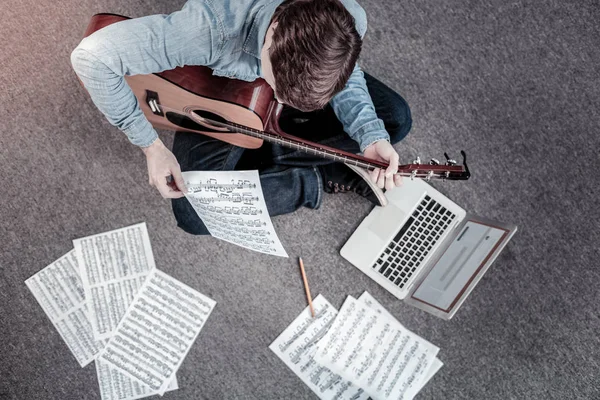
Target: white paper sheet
(367,349)
(297,344)
(157,331)
(59,291)
(232,206)
(375,305)
(114,385)
(113,267)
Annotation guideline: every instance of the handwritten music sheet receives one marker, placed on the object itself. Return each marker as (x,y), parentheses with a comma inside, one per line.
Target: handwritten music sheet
(370,301)
(113,267)
(232,206)
(115,385)
(297,345)
(59,291)
(157,331)
(367,349)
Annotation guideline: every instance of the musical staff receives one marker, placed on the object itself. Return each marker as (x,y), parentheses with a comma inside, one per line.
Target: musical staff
(157,331)
(114,266)
(232,207)
(213,186)
(373,351)
(297,344)
(429,369)
(244,198)
(59,291)
(115,385)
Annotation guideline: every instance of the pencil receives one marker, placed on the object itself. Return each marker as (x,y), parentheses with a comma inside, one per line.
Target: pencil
(312,310)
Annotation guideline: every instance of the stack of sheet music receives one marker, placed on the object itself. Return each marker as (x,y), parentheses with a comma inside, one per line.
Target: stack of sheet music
(356,353)
(111,305)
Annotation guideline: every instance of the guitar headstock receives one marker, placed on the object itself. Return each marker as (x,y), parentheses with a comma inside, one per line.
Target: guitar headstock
(451,170)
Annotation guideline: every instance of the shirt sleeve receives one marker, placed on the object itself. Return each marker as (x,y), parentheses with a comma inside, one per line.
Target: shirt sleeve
(191,36)
(354,108)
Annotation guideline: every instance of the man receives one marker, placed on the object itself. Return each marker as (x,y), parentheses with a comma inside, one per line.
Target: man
(306,50)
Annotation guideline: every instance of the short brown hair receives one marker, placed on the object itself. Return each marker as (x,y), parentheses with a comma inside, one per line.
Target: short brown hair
(313,52)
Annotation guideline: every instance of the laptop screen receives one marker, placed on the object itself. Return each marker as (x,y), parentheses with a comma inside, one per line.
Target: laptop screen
(452,274)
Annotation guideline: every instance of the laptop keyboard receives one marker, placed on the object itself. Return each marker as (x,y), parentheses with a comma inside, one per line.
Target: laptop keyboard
(414,241)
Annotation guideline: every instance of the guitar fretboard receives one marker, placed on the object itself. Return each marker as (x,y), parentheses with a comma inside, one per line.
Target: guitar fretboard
(414,170)
(290,143)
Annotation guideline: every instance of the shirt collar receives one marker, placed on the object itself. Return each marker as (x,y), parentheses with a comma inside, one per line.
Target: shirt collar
(260,23)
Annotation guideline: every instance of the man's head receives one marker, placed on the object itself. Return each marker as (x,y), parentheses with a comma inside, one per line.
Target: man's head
(310,50)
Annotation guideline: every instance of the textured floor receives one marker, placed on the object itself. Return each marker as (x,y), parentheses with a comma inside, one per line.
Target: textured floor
(515,84)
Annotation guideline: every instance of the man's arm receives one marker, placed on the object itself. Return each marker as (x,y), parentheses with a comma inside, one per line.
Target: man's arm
(145,45)
(142,46)
(354,108)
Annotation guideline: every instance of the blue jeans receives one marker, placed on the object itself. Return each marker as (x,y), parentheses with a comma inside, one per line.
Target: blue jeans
(289,178)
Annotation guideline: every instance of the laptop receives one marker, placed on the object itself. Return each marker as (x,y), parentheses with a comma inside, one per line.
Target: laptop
(424,249)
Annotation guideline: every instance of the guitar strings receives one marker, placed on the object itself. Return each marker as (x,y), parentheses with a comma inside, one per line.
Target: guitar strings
(234,127)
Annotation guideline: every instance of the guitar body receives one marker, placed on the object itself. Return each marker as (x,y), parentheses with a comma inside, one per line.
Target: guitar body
(195,89)
(182,99)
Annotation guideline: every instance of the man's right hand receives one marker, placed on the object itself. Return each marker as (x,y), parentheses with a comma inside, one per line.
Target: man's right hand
(162,165)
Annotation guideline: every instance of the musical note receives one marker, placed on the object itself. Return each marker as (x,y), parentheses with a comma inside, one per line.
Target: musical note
(59,290)
(116,385)
(232,207)
(114,266)
(212,185)
(429,369)
(375,353)
(157,331)
(296,347)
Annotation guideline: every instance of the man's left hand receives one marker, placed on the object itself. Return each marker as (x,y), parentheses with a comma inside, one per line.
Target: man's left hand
(382,150)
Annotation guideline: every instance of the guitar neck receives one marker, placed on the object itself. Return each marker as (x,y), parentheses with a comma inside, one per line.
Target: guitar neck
(310,148)
(414,170)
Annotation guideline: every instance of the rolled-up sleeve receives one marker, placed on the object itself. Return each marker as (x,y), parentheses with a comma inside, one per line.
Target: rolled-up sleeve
(191,36)
(354,108)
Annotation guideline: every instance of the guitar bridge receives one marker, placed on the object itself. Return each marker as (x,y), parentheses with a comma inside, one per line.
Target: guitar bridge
(153,103)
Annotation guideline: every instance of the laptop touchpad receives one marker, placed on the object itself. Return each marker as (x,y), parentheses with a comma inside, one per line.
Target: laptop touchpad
(386,222)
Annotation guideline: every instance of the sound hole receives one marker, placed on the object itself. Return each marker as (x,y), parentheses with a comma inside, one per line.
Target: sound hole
(209,115)
(188,123)
(209,120)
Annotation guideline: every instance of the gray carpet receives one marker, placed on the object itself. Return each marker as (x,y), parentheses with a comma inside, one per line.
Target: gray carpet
(515,84)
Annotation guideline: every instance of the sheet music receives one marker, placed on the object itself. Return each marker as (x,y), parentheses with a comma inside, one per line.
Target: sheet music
(367,349)
(115,385)
(113,267)
(370,301)
(59,291)
(297,344)
(232,207)
(157,331)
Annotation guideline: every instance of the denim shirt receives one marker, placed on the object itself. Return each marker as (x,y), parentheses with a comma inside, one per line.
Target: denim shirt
(225,35)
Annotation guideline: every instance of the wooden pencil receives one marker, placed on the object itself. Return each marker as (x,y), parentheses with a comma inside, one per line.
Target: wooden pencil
(312,310)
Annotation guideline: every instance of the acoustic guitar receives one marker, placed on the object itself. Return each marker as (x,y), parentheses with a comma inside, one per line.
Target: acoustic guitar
(245,114)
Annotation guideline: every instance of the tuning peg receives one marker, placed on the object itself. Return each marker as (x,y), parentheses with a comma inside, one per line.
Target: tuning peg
(413,175)
(429,176)
(449,161)
(434,161)
(417,160)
